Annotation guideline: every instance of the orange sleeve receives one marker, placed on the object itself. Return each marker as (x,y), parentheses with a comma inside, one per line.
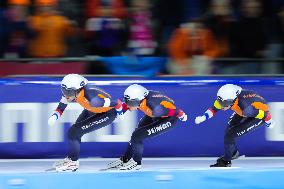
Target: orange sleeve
(177,45)
(34,23)
(260,106)
(209,49)
(214,48)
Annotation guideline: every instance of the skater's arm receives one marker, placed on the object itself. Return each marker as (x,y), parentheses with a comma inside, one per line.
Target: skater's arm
(166,109)
(58,111)
(209,113)
(251,111)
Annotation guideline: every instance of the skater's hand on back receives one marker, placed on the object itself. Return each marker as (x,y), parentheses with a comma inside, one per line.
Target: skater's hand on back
(270,123)
(182,116)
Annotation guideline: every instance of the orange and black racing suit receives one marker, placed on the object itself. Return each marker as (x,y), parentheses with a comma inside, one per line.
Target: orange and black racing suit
(99,111)
(161,115)
(250,113)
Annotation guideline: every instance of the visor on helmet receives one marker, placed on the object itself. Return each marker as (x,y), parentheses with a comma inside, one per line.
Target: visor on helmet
(68,92)
(225,103)
(132,102)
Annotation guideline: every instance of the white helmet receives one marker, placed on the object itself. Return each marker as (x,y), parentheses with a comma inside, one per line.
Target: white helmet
(72,83)
(227,94)
(134,94)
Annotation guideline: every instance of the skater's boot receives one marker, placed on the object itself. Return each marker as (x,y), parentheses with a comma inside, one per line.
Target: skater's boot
(222,163)
(131,165)
(67,165)
(236,155)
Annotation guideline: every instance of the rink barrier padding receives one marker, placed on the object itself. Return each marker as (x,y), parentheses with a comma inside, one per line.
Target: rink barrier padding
(27,102)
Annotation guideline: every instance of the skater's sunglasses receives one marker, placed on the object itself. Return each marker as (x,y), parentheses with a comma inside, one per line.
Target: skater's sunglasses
(69,92)
(132,102)
(225,103)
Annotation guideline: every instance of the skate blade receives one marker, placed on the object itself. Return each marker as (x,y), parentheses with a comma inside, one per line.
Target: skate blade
(232,167)
(54,170)
(51,170)
(242,156)
(109,169)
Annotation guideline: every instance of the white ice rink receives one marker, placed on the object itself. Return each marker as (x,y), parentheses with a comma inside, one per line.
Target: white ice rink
(148,164)
(156,173)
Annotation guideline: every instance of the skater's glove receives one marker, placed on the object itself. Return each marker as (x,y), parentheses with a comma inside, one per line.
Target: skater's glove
(270,123)
(200,119)
(119,110)
(182,116)
(53,118)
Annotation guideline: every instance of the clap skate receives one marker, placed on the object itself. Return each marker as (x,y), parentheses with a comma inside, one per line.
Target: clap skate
(236,155)
(114,165)
(130,165)
(58,163)
(222,163)
(65,165)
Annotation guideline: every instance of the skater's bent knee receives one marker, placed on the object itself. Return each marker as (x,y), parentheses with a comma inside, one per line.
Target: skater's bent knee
(136,138)
(73,133)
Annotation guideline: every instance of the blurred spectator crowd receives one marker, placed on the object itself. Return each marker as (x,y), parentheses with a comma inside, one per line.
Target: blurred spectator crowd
(198,36)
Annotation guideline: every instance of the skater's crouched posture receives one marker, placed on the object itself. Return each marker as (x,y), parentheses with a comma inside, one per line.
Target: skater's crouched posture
(250,113)
(99,111)
(161,115)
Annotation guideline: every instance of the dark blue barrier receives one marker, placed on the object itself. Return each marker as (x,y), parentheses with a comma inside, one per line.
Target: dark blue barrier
(27,102)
